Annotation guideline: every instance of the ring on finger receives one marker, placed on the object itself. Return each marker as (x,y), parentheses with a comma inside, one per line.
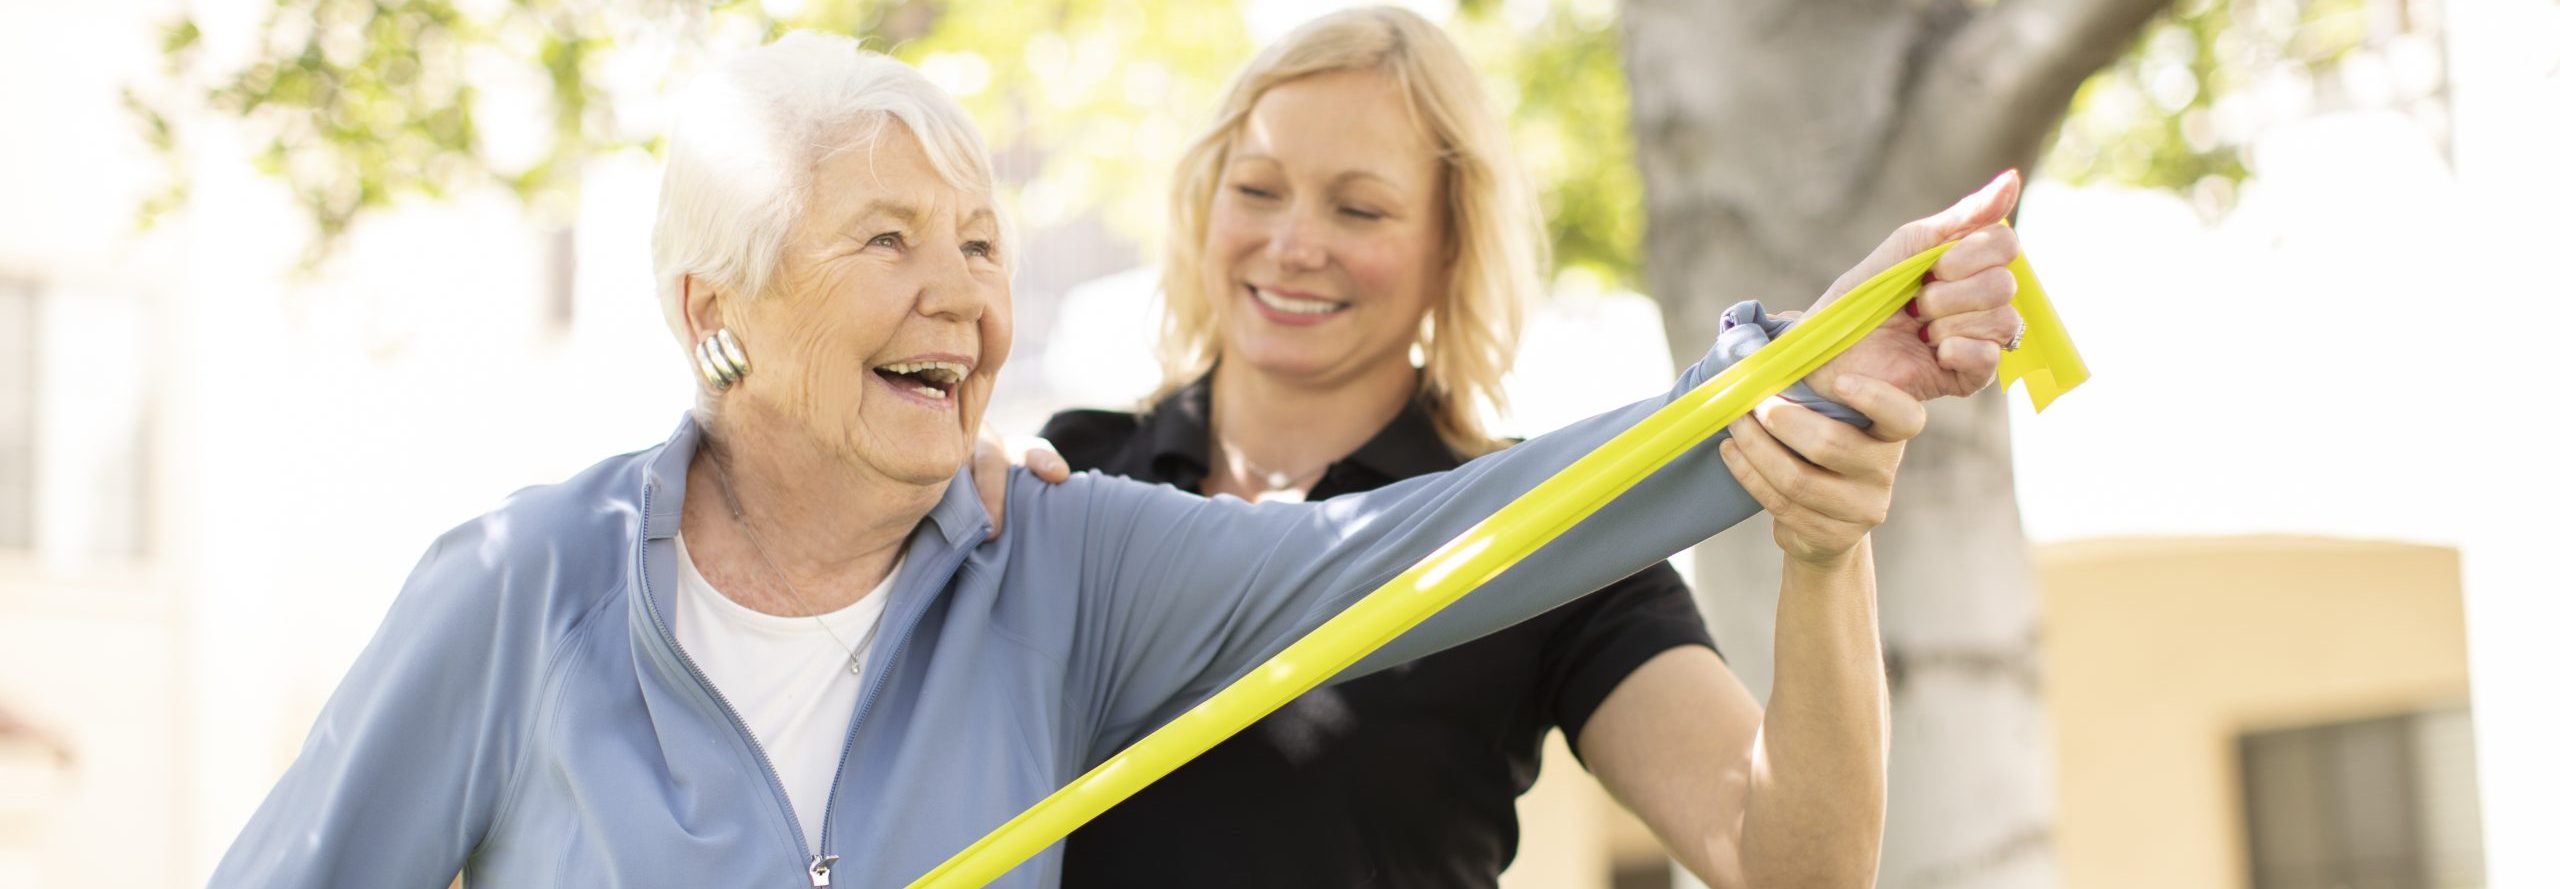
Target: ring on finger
(2016,341)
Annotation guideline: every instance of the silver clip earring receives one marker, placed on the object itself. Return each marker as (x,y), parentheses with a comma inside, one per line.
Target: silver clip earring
(722,361)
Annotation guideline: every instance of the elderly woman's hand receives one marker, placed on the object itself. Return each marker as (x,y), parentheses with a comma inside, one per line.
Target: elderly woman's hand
(1948,342)
(1827,483)
(994,460)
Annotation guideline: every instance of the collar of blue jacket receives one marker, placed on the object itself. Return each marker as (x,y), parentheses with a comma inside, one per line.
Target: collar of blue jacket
(957,516)
(524,717)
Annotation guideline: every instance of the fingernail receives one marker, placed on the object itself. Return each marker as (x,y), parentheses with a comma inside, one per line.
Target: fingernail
(1912,308)
(1924,333)
(1929,276)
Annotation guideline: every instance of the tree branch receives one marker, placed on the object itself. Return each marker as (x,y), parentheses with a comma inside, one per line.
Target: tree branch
(2030,57)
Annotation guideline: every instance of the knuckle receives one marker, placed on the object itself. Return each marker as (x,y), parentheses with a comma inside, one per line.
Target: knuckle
(1868,513)
(2002,283)
(2002,238)
(1790,484)
(1783,510)
(1825,451)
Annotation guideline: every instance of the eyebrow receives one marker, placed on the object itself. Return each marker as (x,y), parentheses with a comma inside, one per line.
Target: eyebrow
(908,214)
(903,212)
(1349,176)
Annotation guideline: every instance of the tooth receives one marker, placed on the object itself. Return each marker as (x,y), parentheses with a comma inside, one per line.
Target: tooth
(1295,306)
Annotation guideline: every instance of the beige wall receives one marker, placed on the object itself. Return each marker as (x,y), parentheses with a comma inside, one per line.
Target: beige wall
(2159,653)
(94,668)
(1573,834)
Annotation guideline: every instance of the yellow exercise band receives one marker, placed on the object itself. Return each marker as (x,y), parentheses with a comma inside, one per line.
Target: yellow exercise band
(2046,360)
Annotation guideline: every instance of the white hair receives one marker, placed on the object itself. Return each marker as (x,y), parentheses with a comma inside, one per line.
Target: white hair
(748,137)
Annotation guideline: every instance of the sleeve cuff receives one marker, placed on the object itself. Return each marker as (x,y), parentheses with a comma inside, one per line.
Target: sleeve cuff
(1748,326)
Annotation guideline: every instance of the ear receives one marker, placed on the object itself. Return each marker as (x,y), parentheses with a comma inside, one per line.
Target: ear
(702,309)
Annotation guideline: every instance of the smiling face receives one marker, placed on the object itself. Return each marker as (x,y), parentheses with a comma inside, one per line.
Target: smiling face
(891,314)
(1325,237)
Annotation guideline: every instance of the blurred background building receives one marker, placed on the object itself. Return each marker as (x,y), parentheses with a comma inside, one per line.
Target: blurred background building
(2290,546)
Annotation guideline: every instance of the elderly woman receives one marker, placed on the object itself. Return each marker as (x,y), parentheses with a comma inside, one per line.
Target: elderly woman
(780,648)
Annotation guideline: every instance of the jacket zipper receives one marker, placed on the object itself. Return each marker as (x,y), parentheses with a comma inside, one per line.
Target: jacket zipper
(820,863)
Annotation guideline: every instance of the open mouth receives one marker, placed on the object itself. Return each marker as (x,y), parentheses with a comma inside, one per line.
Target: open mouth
(928,379)
(1294,306)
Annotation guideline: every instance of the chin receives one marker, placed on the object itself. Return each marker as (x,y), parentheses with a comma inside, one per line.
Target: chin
(919,463)
(1286,360)
(913,469)
(906,455)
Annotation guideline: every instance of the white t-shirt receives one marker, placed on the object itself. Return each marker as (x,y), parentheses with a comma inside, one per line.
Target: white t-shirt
(786,676)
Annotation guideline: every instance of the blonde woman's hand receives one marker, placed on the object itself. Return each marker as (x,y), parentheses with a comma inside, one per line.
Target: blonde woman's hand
(1825,482)
(991,467)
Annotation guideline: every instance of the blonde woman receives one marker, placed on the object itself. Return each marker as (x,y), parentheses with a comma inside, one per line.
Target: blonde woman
(1353,204)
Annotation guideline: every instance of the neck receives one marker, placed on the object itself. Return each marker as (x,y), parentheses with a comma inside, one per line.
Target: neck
(829,528)
(1295,426)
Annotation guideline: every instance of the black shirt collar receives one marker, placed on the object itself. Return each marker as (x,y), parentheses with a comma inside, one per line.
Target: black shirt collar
(1176,438)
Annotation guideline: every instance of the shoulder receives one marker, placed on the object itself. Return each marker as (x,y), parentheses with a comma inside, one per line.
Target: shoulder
(1655,599)
(1089,500)
(1089,438)
(538,562)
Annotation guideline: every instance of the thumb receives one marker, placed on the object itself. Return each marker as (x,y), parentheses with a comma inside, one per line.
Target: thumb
(1982,208)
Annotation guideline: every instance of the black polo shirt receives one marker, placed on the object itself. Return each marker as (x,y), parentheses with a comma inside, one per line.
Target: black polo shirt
(1401,778)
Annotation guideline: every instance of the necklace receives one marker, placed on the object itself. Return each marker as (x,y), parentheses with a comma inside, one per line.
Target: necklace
(854,652)
(1271,479)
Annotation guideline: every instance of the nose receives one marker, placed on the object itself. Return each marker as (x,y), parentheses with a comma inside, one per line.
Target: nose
(1299,245)
(951,292)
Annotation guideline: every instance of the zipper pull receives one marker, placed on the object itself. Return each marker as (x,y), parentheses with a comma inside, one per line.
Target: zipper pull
(819,865)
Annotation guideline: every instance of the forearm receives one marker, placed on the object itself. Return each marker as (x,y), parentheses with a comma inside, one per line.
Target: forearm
(1189,594)
(1815,814)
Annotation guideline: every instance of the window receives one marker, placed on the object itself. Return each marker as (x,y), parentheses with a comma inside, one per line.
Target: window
(560,278)
(74,468)
(17,415)
(2387,803)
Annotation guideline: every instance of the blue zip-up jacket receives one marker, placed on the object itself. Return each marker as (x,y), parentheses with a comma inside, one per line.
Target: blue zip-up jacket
(524,716)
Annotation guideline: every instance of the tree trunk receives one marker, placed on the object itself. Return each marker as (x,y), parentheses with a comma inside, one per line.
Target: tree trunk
(1780,141)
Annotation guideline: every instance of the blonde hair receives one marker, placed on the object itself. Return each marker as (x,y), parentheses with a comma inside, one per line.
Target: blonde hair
(1497,248)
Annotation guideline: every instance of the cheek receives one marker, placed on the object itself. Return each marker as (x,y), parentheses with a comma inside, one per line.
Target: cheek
(995,334)
(826,354)
(834,335)
(1233,234)
(1395,272)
